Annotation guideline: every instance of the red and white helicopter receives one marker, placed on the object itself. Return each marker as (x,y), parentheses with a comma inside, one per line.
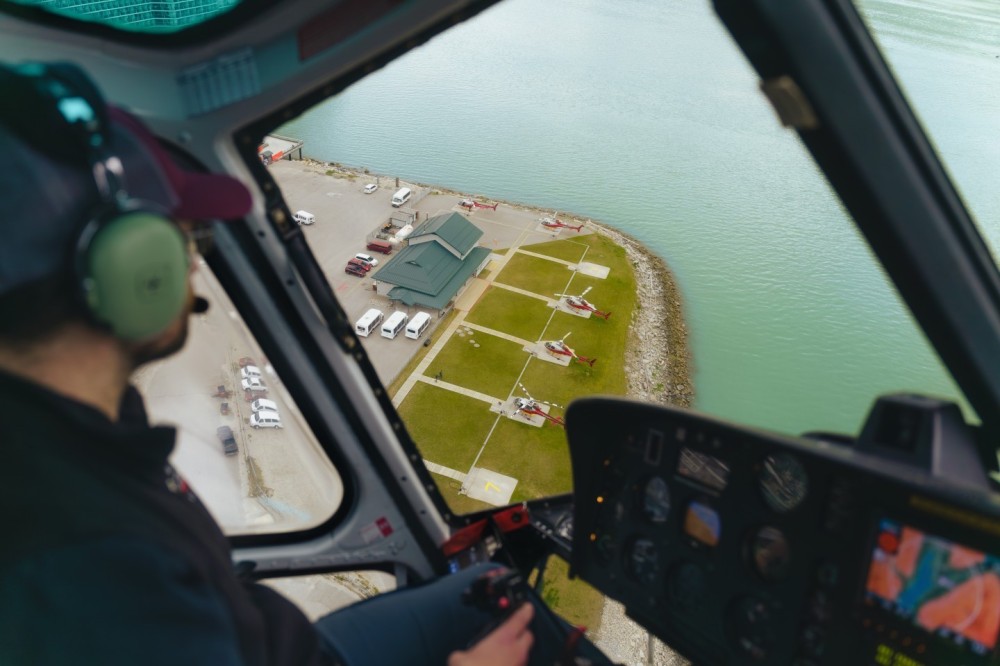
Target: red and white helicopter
(472,203)
(531,407)
(580,303)
(556,223)
(560,348)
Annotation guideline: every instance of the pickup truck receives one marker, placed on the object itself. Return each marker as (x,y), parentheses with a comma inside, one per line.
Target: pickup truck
(228,440)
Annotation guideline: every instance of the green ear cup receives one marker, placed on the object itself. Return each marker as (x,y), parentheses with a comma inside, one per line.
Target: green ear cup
(136,274)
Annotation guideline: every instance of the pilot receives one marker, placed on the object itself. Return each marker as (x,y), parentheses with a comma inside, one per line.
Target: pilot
(107,556)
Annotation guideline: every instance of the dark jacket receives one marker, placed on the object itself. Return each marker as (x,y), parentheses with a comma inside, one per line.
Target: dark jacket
(107,557)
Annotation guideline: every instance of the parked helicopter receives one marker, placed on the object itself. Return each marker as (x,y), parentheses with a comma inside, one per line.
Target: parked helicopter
(580,303)
(556,223)
(472,203)
(560,348)
(531,407)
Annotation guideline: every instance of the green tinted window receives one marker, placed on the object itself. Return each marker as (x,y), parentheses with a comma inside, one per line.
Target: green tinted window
(155,16)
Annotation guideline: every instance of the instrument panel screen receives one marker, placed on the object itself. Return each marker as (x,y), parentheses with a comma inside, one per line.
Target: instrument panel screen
(705,469)
(947,589)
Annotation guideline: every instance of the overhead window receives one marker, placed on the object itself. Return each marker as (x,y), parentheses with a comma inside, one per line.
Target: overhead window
(150,16)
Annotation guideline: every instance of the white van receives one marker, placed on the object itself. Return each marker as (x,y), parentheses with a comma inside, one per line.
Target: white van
(368,322)
(394,324)
(265,419)
(250,371)
(418,325)
(262,405)
(304,217)
(401,196)
(253,384)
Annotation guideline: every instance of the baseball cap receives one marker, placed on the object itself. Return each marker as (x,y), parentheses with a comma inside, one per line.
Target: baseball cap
(45,201)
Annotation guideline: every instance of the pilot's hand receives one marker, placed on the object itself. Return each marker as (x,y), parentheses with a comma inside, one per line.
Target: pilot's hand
(507,645)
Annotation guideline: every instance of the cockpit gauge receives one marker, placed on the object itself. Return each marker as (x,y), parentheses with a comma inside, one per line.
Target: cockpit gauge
(643,561)
(770,553)
(783,482)
(656,500)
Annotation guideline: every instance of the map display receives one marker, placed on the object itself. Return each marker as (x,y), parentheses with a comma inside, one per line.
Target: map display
(942,587)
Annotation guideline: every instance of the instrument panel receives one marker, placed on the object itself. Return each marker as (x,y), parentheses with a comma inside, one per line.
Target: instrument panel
(737,546)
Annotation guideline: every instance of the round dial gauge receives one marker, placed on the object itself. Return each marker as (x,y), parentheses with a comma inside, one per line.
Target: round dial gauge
(770,553)
(656,500)
(783,482)
(643,561)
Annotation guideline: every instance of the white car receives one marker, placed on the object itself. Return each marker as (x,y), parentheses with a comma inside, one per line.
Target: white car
(370,188)
(265,419)
(368,259)
(250,371)
(262,405)
(253,384)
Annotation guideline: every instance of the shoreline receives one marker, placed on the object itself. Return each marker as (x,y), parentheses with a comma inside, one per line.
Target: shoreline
(657,355)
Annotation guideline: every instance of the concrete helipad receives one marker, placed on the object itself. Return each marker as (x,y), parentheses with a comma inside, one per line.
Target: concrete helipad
(538,350)
(510,410)
(562,306)
(490,487)
(592,270)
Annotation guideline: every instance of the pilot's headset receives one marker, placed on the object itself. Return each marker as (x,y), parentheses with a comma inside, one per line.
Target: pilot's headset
(130,258)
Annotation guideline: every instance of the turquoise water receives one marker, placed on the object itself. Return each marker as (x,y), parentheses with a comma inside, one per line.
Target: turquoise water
(643,114)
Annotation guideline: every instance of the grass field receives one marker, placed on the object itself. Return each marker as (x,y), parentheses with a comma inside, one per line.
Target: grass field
(537,457)
(568,250)
(448,427)
(491,368)
(510,312)
(539,276)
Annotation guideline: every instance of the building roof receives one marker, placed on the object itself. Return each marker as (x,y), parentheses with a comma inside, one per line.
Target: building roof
(453,229)
(425,267)
(449,285)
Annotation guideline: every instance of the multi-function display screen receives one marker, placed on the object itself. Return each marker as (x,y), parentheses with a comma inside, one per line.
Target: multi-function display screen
(942,587)
(704,469)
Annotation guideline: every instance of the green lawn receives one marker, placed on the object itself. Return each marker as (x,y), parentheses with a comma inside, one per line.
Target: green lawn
(510,312)
(539,276)
(568,250)
(448,428)
(537,457)
(491,368)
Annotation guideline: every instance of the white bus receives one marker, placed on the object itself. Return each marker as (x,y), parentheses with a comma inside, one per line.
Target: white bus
(394,324)
(418,325)
(368,322)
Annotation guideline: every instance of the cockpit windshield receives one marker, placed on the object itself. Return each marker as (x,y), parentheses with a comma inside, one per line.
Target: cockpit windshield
(945,56)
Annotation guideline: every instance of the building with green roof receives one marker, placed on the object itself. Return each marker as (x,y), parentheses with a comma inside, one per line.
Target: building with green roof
(439,261)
